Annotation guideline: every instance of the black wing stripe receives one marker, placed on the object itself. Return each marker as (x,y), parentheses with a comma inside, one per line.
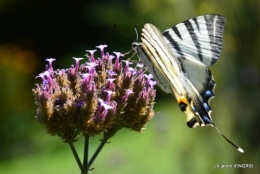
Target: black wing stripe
(177,32)
(178,49)
(174,43)
(194,38)
(197,23)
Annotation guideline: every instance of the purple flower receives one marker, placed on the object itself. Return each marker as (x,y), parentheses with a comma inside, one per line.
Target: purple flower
(92,58)
(102,49)
(50,60)
(77,64)
(117,64)
(109,94)
(94,97)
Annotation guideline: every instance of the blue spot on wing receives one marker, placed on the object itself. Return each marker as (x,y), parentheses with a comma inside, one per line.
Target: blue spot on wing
(207,95)
(207,107)
(206,119)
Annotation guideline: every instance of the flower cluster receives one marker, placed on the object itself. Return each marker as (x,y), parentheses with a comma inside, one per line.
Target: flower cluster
(94,97)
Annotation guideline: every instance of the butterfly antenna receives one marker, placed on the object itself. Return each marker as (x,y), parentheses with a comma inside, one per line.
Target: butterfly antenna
(136,25)
(122,32)
(238,148)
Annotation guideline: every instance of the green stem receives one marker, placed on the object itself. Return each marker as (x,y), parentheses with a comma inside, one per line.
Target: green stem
(76,157)
(85,158)
(103,142)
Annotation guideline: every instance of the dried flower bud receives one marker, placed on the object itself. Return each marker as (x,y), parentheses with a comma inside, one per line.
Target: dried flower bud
(94,97)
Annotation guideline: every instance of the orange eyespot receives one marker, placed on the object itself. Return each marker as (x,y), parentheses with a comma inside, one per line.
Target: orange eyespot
(183,103)
(183,100)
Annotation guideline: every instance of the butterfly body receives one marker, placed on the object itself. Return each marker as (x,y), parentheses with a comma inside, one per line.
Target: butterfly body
(179,59)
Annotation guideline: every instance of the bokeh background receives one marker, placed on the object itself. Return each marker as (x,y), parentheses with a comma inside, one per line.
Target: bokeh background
(33,30)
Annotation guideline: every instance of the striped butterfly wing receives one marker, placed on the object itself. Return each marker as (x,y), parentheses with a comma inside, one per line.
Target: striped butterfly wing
(197,43)
(199,38)
(178,59)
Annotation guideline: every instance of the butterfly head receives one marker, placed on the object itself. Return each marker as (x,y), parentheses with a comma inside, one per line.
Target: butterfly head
(135,45)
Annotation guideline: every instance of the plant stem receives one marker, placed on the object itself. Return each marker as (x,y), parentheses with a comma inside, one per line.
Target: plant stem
(76,156)
(103,142)
(85,158)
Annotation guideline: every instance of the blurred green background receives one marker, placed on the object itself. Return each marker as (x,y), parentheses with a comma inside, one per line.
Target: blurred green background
(33,30)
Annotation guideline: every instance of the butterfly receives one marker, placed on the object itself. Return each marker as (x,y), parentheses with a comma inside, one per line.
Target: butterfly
(179,59)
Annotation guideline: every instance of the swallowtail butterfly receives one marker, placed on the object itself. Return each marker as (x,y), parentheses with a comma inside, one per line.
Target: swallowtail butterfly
(179,58)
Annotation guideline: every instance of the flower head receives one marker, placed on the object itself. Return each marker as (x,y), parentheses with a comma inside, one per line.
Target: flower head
(94,97)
